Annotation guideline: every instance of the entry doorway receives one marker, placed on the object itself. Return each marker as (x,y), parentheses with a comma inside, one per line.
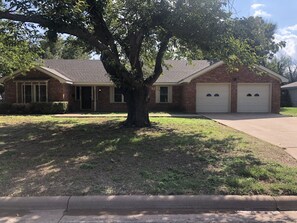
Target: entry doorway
(86,98)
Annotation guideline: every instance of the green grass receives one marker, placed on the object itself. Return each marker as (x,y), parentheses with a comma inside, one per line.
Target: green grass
(290,111)
(42,155)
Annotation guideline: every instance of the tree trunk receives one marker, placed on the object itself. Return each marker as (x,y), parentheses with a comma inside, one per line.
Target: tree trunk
(137,103)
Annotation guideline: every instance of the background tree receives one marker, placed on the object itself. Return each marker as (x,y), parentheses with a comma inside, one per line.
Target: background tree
(284,66)
(59,48)
(132,37)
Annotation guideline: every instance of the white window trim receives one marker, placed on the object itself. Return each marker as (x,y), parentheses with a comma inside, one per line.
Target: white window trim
(33,90)
(169,94)
(111,94)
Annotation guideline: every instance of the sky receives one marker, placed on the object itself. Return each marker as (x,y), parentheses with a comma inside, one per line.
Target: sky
(283,13)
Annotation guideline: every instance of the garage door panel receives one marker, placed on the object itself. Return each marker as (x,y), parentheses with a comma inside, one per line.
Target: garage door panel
(253,98)
(212,97)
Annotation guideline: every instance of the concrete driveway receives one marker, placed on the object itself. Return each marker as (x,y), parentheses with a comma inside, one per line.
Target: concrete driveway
(276,129)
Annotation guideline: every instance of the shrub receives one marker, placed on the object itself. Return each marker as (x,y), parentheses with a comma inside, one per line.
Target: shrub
(50,107)
(20,108)
(34,108)
(5,108)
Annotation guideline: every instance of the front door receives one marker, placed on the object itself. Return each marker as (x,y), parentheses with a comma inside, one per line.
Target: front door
(86,98)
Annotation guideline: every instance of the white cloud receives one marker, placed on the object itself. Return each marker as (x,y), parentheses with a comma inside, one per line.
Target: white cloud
(261,13)
(257,5)
(289,35)
(288,30)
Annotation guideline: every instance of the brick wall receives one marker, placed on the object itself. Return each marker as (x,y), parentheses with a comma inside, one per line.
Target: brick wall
(220,75)
(56,90)
(104,105)
(10,92)
(183,96)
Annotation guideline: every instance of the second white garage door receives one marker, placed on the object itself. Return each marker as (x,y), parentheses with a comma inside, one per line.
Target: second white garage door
(253,98)
(213,98)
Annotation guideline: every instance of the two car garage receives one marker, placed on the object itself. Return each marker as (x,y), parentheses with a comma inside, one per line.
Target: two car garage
(246,97)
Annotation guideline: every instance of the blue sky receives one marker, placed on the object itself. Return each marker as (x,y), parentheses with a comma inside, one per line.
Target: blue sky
(283,13)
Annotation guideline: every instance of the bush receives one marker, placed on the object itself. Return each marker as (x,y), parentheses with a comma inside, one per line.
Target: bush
(5,108)
(20,109)
(56,107)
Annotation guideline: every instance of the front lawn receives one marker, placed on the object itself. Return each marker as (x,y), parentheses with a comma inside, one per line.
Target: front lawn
(42,155)
(290,111)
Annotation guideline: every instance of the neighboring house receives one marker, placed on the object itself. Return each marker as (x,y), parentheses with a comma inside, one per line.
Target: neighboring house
(291,90)
(187,87)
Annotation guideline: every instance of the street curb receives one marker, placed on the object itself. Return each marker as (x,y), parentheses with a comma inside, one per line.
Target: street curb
(152,203)
(33,203)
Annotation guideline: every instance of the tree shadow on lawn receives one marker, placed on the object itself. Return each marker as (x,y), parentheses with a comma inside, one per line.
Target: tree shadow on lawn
(72,158)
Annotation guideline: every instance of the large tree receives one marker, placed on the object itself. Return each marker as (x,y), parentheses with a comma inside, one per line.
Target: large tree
(132,37)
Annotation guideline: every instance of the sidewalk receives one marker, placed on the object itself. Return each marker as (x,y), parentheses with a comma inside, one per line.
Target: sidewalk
(149,209)
(123,115)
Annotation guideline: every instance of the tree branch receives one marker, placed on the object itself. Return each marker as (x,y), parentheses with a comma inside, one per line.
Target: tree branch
(100,27)
(158,65)
(77,31)
(118,71)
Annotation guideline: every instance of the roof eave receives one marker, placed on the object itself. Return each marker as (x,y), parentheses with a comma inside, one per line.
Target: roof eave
(273,74)
(60,77)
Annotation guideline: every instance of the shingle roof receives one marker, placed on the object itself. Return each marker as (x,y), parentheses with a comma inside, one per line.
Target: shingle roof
(80,71)
(179,69)
(291,85)
(92,71)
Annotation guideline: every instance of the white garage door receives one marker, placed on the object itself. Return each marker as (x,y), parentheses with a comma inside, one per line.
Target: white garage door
(253,98)
(213,98)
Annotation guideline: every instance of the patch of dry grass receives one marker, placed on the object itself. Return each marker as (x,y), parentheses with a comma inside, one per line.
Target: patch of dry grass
(42,155)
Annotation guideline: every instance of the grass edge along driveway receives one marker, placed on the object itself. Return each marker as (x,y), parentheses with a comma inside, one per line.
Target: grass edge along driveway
(289,111)
(42,155)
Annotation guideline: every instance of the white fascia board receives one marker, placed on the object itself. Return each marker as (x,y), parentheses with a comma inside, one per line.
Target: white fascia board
(55,74)
(200,72)
(272,74)
(289,86)
(93,84)
(165,84)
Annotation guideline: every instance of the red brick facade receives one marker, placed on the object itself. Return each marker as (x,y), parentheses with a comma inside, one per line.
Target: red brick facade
(183,95)
(220,75)
(56,90)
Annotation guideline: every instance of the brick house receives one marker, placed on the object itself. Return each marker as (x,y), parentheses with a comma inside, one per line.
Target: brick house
(188,87)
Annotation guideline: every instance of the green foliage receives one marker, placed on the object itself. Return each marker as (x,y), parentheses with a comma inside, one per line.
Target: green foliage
(284,66)
(289,111)
(258,34)
(17,53)
(69,48)
(50,107)
(132,31)
(34,108)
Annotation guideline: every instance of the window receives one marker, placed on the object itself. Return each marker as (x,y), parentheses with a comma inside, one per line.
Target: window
(34,92)
(249,95)
(116,95)
(27,91)
(257,95)
(217,95)
(164,94)
(208,95)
